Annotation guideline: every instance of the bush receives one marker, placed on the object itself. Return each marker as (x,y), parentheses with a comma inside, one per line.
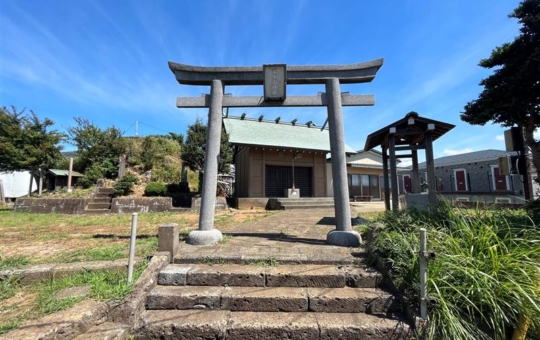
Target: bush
(486,274)
(155,189)
(168,172)
(106,169)
(91,176)
(124,186)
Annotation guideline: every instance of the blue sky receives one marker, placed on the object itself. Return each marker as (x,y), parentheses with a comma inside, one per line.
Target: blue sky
(107,60)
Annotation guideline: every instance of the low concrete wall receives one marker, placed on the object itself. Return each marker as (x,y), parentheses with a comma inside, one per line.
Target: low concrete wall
(51,205)
(251,203)
(141,204)
(221,203)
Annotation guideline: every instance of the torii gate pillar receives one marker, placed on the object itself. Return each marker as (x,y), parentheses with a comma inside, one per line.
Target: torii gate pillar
(343,235)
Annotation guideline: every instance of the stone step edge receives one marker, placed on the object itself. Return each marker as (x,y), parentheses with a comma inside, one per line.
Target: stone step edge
(273,299)
(196,324)
(249,259)
(255,276)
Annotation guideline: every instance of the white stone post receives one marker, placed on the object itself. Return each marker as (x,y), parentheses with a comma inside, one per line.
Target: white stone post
(70,173)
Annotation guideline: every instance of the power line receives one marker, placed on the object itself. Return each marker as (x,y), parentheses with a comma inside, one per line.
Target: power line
(153,127)
(126,130)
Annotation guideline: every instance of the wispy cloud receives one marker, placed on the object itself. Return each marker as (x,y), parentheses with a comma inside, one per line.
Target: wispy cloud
(48,61)
(451,152)
(499,137)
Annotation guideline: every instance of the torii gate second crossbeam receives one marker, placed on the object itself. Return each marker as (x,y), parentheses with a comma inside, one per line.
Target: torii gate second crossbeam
(275,79)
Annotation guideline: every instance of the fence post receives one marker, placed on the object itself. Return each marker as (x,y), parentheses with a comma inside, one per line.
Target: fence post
(132,247)
(423,274)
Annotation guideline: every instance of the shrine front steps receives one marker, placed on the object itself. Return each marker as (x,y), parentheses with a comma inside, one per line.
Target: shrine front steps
(228,301)
(305,203)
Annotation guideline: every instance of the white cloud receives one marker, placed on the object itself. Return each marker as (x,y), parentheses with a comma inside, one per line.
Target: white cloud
(499,137)
(536,134)
(405,162)
(450,152)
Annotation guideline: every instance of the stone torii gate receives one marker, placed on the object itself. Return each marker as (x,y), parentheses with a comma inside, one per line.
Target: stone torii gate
(275,78)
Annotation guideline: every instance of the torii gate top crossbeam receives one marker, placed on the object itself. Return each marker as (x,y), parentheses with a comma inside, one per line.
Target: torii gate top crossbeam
(253,75)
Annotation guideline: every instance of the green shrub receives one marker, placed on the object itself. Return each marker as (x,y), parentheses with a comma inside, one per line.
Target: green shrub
(124,186)
(168,172)
(155,189)
(486,274)
(91,176)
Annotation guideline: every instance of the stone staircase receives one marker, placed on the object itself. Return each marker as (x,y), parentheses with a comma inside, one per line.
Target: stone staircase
(100,203)
(252,301)
(306,203)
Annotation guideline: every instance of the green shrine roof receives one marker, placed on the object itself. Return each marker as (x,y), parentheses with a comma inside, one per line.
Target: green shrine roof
(58,172)
(253,132)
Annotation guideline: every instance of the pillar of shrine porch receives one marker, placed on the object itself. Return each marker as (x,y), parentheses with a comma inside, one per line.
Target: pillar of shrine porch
(343,235)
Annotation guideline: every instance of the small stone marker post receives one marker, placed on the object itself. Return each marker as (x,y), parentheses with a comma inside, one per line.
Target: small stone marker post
(168,239)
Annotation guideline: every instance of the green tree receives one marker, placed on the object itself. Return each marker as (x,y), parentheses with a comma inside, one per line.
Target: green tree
(193,150)
(26,142)
(98,150)
(511,95)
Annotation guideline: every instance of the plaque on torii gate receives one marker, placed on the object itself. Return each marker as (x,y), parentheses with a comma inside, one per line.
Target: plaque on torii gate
(275,79)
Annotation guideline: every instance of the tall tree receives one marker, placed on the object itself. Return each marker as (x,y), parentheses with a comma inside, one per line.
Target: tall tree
(511,95)
(26,142)
(193,150)
(98,150)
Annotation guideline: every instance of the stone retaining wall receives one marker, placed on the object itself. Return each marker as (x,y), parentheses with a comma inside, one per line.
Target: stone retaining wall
(221,203)
(141,204)
(51,205)
(119,205)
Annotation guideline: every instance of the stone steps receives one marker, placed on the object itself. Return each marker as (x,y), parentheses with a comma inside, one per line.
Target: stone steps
(102,200)
(307,199)
(306,203)
(97,211)
(217,324)
(93,206)
(250,301)
(261,301)
(105,191)
(273,299)
(100,203)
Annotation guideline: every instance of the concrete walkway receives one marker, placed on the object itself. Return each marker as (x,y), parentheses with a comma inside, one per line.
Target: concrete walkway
(294,236)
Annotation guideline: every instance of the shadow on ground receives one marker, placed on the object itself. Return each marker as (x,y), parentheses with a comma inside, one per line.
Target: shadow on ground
(280,237)
(332,221)
(121,237)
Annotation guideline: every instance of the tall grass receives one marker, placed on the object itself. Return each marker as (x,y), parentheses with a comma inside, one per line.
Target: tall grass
(487,272)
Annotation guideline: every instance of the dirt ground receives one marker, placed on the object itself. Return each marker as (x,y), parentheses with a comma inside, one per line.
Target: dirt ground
(43,237)
(46,238)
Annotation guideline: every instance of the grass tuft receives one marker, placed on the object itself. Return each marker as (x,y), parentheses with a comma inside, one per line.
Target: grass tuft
(8,287)
(269,262)
(13,262)
(7,326)
(486,274)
